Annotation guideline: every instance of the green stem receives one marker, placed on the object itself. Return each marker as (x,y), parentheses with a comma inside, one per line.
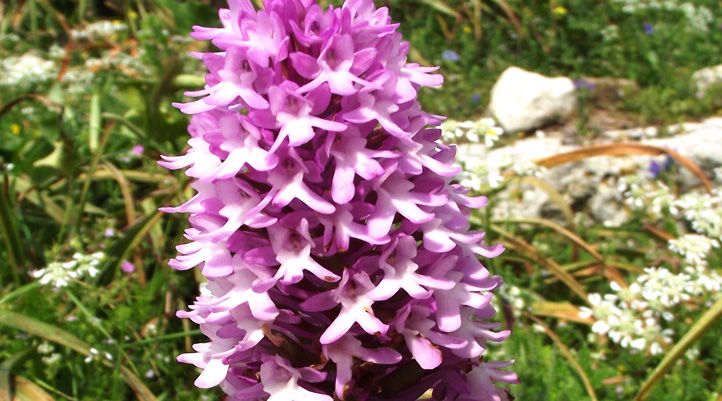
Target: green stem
(162,338)
(10,235)
(19,291)
(93,165)
(33,19)
(699,328)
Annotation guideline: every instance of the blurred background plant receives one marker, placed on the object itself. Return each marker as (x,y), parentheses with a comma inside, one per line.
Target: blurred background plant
(87,302)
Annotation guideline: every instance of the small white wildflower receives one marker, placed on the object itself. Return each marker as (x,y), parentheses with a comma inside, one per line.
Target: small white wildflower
(54,274)
(529,169)
(51,359)
(693,247)
(472,131)
(655,348)
(692,354)
(45,348)
(610,33)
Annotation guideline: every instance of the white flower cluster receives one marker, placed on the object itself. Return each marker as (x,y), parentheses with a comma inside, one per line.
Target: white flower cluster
(24,72)
(699,17)
(99,30)
(693,248)
(633,317)
(128,64)
(80,79)
(528,168)
(704,213)
(9,37)
(642,194)
(477,171)
(471,131)
(610,33)
(49,357)
(59,274)
(515,296)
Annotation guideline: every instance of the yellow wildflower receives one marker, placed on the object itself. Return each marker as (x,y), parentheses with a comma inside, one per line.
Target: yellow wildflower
(560,11)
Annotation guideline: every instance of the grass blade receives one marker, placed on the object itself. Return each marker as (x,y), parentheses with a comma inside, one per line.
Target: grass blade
(626,149)
(6,384)
(695,332)
(560,310)
(158,339)
(561,230)
(30,193)
(49,103)
(62,337)
(25,390)
(443,7)
(95,120)
(10,235)
(125,191)
(553,267)
(512,17)
(22,290)
(567,354)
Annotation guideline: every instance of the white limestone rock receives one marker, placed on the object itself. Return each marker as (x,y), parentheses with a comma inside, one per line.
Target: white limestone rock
(523,100)
(591,186)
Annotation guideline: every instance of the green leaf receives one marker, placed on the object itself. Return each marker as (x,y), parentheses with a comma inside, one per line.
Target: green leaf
(6,383)
(695,332)
(444,7)
(55,159)
(62,337)
(567,354)
(25,390)
(94,122)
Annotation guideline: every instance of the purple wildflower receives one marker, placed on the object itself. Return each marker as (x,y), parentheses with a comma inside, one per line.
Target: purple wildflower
(654,168)
(137,150)
(648,28)
(450,55)
(583,84)
(336,247)
(127,267)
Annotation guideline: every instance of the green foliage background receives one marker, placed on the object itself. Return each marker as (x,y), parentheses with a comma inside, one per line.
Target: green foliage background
(69,175)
